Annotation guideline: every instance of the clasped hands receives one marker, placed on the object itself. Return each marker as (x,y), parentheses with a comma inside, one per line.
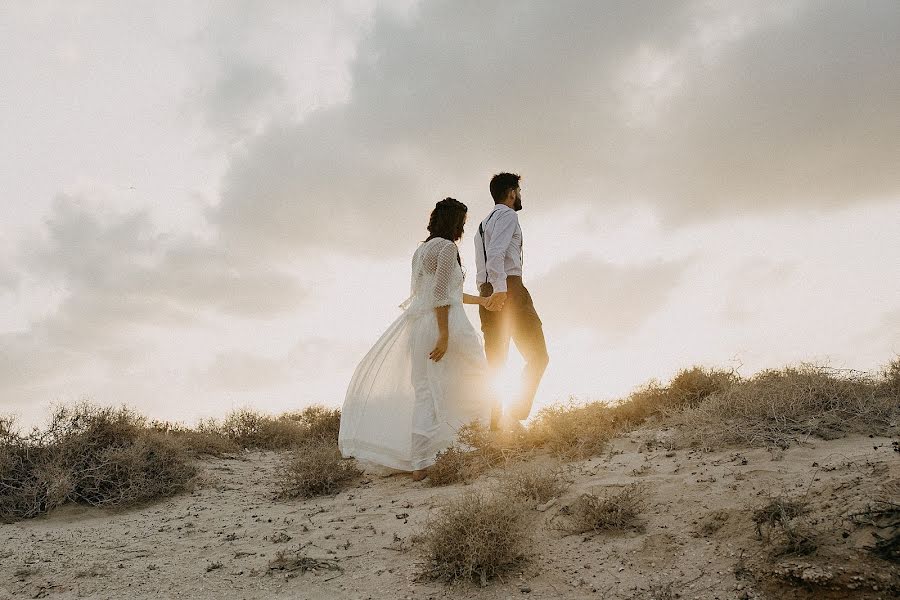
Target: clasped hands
(495,301)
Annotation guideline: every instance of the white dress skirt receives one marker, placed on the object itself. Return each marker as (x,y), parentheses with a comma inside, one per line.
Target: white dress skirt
(401,407)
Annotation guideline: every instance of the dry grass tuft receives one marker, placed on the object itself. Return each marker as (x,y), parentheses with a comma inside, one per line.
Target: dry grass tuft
(453,465)
(315,469)
(777,524)
(576,431)
(687,389)
(250,429)
(293,562)
(204,440)
(573,431)
(778,408)
(476,537)
(614,511)
(884,517)
(535,483)
(88,455)
(477,450)
(890,379)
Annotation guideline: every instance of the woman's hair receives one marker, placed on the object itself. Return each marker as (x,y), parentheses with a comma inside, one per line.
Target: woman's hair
(447,220)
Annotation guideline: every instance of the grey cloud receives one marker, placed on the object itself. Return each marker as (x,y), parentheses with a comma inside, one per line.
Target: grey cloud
(9,278)
(120,258)
(235,98)
(796,109)
(120,278)
(613,300)
(800,111)
(309,358)
(438,103)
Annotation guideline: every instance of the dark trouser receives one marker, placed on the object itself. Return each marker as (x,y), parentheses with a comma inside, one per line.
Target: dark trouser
(519,321)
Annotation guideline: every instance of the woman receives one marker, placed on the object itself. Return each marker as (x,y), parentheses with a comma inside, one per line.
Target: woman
(426,376)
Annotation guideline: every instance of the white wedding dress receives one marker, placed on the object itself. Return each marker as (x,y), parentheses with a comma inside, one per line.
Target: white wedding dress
(402,408)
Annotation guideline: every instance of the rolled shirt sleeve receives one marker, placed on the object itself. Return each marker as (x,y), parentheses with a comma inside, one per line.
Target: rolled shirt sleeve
(502,232)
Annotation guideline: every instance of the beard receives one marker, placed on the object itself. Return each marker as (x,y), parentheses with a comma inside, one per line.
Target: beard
(517,205)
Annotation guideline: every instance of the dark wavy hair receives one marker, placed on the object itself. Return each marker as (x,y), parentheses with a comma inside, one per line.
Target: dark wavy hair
(447,221)
(501,183)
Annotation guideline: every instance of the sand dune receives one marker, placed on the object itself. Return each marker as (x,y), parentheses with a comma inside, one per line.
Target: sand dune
(696,537)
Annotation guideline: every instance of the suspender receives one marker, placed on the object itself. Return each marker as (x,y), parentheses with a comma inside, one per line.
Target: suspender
(483,246)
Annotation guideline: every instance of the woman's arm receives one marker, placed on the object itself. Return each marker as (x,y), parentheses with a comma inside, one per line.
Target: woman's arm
(470,299)
(440,348)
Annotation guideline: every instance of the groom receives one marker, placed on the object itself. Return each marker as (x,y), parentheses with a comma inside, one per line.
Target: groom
(498,255)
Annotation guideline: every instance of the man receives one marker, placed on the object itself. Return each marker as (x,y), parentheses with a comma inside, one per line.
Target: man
(498,256)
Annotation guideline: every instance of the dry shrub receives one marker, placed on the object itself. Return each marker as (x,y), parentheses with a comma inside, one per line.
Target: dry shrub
(573,431)
(203,440)
(535,483)
(318,421)
(884,516)
(776,408)
(477,449)
(88,455)
(577,431)
(890,379)
(316,468)
(297,562)
(778,524)
(688,388)
(453,465)
(250,429)
(614,511)
(476,537)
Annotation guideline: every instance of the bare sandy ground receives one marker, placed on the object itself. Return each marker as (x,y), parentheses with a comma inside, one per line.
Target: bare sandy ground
(697,538)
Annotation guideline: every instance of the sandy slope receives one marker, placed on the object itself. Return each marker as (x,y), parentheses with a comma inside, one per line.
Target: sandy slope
(697,535)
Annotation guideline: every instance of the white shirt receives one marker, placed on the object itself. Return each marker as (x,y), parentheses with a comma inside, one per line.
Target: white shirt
(503,245)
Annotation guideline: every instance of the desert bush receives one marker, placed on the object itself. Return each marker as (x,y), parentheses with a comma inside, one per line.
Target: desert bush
(688,388)
(296,561)
(452,465)
(890,379)
(318,421)
(477,449)
(883,515)
(613,511)
(88,455)
(535,483)
(250,429)
(576,431)
(571,430)
(316,468)
(777,524)
(203,440)
(476,537)
(777,408)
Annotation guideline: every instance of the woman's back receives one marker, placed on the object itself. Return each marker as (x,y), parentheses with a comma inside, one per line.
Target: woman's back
(437,277)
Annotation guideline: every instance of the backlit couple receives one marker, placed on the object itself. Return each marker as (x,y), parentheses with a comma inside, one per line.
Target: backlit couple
(428,375)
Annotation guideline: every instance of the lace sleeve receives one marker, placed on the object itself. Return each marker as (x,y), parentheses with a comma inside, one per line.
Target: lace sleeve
(444,274)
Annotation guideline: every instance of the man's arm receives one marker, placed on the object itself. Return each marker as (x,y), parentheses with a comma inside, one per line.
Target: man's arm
(501,236)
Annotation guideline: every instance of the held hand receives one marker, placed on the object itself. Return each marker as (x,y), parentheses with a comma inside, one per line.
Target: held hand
(496,301)
(440,348)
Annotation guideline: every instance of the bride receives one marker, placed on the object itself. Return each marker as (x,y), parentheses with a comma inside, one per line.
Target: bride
(426,376)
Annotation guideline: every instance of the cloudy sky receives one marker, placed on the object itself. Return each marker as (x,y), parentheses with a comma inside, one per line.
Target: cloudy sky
(208,205)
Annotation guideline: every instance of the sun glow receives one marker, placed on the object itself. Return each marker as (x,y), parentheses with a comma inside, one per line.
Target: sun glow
(507,383)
